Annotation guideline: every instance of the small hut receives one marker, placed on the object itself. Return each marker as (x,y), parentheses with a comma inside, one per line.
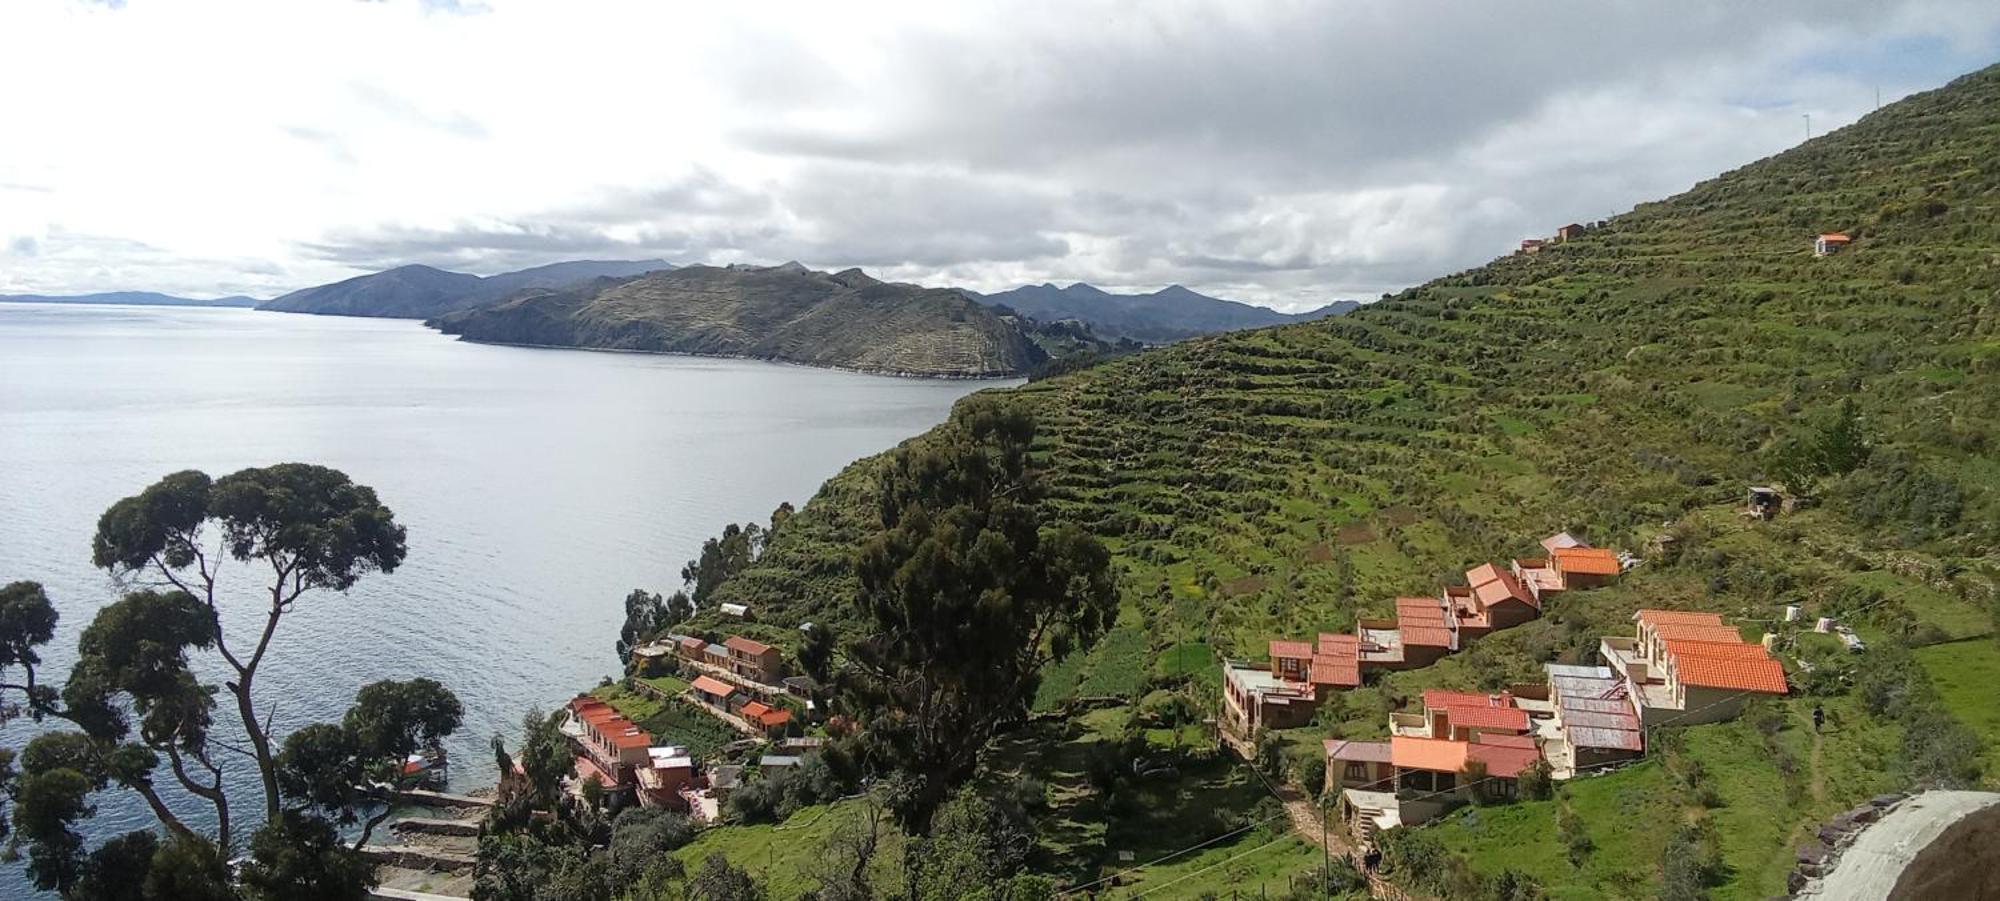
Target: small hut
(1763,502)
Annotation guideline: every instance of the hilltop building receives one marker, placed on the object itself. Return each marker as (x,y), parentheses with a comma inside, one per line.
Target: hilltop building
(1829,244)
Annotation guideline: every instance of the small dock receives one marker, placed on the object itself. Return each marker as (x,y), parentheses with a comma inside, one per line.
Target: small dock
(397,894)
(417,857)
(437,826)
(427,798)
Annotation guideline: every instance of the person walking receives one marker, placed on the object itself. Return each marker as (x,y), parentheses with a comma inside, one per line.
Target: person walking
(1819,718)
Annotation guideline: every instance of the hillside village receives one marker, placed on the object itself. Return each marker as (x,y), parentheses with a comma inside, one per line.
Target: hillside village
(1571,716)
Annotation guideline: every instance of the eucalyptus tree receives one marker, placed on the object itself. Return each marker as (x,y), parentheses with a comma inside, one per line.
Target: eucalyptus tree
(143,714)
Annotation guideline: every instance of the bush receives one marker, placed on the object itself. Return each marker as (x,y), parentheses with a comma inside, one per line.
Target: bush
(1537,782)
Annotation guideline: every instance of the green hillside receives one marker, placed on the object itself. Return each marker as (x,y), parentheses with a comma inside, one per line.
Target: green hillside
(1608,384)
(1626,385)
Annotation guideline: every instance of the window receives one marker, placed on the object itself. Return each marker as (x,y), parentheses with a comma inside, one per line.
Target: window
(1357,771)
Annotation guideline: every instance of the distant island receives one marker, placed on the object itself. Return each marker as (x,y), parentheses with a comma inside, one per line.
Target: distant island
(1162,317)
(788,313)
(132,298)
(421,292)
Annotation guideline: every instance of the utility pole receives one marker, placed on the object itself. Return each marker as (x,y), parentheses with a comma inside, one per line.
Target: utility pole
(1808,126)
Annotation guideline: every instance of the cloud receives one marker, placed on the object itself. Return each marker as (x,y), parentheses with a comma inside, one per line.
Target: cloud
(1280,152)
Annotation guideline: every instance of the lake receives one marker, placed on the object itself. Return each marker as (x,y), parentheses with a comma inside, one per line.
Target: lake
(538,486)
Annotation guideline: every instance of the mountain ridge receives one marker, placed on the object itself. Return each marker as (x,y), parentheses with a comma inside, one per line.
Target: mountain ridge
(785,313)
(1170,314)
(418,291)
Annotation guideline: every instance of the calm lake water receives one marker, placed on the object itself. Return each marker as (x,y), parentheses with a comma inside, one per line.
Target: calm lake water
(538,486)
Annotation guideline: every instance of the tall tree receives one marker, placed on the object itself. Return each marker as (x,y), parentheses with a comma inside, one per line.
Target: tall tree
(310,525)
(139,705)
(965,596)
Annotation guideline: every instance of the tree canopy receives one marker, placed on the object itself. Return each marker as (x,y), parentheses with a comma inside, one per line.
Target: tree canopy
(142,713)
(965,595)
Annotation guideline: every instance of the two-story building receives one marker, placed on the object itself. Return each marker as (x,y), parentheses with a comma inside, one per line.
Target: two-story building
(615,746)
(1683,667)
(754,660)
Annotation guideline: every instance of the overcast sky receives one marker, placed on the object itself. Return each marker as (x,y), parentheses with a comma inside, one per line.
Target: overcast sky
(1286,153)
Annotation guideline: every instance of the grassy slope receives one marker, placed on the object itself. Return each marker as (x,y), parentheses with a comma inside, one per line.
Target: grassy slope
(1624,385)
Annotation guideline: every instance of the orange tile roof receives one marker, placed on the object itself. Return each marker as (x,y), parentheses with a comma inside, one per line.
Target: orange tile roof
(1477,711)
(1698,632)
(1594,561)
(693,643)
(1444,697)
(1290,649)
(713,686)
(1739,673)
(1504,741)
(634,737)
(746,645)
(1420,611)
(1337,669)
(1493,585)
(1503,761)
(1834,236)
(1434,754)
(1656,617)
(1426,636)
(766,715)
(1726,650)
(1338,643)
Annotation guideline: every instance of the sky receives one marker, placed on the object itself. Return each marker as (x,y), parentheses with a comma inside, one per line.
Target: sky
(1282,152)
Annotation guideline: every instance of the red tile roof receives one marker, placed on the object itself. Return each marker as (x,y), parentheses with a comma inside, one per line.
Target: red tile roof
(1478,711)
(1337,669)
(1426,636)
(1338,643)
(747,646)
(1505,741)
(1740,673)
(1724,650)
(713,686)
(1493,585)
(1502,760)
(1594,561)
(1290,649)
(1358,751)
(631,737)
(692,643)
(1835,237)
(1420,611)
(1698,632)
(766,715)
(1656,617)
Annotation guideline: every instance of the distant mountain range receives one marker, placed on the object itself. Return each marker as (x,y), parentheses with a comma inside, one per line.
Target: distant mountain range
(131,298)
(1161,317)
(844,320)
(422,292)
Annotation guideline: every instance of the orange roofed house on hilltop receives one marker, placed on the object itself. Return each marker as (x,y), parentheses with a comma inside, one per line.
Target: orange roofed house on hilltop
(1683,667)
(1829,244)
